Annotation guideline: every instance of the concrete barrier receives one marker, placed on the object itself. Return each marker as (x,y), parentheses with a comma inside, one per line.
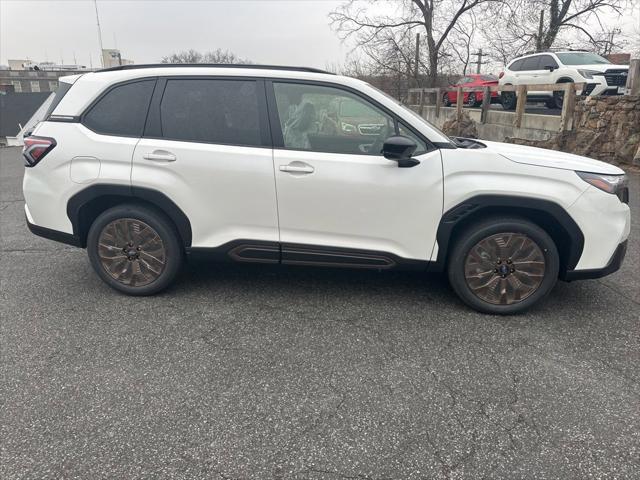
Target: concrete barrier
(499,124)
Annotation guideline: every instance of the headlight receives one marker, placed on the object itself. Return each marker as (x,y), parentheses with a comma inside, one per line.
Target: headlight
(589,73)
(615,184)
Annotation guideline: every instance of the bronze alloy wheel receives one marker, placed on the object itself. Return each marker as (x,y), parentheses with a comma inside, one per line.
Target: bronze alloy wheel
(131,252)
(504,268)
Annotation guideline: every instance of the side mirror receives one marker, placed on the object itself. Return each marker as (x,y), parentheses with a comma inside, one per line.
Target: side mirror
(551,68)
(399,149)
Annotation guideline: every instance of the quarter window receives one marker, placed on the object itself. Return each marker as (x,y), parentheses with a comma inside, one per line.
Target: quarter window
(122,110)
(327,119)
(211,111)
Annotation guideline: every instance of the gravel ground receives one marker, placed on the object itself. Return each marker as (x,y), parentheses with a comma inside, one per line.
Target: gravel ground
(243,371)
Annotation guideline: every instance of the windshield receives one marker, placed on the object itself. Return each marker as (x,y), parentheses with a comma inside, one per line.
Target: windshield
(581,58)
(412,113)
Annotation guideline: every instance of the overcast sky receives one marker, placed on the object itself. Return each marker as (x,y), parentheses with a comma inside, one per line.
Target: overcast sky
(293,32)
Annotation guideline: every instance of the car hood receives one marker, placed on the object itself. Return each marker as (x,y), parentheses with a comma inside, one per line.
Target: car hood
(600,67)
(551,158)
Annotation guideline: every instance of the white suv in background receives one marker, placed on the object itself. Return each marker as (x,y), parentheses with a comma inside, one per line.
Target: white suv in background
(601,76)
(146,165)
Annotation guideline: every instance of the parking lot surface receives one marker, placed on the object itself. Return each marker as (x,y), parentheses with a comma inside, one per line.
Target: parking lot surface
(243,371)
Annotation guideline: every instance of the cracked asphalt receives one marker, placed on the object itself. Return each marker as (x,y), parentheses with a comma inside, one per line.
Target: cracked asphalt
(249,371)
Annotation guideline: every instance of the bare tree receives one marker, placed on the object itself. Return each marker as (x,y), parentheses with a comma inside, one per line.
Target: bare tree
(217,56)
(379,30)
(526,25)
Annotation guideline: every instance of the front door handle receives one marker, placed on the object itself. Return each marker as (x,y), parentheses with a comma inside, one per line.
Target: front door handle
(160,156)
(299,168)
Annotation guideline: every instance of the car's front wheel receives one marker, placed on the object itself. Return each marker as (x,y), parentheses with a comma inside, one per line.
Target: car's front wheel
(134,249)
(503,265)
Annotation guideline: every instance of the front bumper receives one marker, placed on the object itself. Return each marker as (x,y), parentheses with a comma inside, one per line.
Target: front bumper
(613,266)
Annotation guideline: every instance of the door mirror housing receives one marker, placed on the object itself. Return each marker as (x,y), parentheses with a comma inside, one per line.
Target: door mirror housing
(551,68)
(399,149)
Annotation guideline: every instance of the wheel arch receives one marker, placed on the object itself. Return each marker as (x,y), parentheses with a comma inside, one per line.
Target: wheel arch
(85,206)
(548,215)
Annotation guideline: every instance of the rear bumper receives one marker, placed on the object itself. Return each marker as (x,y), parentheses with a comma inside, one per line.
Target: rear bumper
(614,265)
(55,235)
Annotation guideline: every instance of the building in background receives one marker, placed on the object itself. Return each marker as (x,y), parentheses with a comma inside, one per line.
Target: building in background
(111,57)
(26,76)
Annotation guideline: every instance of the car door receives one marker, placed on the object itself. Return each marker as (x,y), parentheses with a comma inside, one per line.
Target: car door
(532,74)
(340,202)
(207,147)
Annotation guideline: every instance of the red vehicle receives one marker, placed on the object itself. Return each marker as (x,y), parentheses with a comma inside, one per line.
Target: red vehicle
(472,99)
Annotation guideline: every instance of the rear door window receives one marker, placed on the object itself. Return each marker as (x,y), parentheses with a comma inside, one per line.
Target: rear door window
(211,110)
(122,111)
(516,66)
(531,63)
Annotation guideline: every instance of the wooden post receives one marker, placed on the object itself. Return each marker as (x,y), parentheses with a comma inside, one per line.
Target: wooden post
(633,80)
(568,106)
(486,103)
(438,101)
(421,110)
(521,93)
(459,104)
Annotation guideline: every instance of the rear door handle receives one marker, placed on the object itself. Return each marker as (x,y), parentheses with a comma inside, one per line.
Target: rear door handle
(160,156)
(300,168)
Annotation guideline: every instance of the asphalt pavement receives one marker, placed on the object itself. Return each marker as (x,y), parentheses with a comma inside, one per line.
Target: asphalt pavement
(250,371)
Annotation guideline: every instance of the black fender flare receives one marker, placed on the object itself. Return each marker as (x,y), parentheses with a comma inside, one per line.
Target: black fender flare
(76,207)
(557,221)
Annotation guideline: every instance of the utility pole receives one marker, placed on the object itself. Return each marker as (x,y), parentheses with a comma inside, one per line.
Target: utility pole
(417,60)
(95,4)
(479,54)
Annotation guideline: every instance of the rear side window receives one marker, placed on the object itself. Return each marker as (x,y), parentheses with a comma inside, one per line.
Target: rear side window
(122,110)
(60,92)
(531,63)
(211,111)
(516,66)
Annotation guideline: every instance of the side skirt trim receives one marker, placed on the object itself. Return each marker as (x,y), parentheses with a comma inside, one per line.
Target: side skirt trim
(298,254)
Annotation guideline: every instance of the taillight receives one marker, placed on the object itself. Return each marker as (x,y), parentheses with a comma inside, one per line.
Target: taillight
(36,148)
(501,75)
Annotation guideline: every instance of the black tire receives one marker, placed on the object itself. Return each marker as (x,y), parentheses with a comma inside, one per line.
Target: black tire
(472,101)
(445,100)
(543,277)
(508,100)
(551,104)
(558,98)
(139,224)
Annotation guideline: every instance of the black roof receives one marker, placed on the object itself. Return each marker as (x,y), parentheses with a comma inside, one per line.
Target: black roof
(18,108)
(216,65)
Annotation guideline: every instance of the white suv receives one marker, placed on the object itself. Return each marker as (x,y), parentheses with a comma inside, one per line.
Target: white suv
(146,165)
(601,76)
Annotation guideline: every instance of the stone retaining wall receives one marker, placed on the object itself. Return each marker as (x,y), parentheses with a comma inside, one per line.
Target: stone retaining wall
(606,128)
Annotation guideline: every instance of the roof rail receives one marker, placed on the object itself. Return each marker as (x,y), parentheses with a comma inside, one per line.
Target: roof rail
(214,65)
(553,50)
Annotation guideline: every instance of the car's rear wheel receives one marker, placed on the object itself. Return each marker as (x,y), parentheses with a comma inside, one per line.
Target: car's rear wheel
(508,100)
(503,265)
(445,100)
(471,100)
(134,249)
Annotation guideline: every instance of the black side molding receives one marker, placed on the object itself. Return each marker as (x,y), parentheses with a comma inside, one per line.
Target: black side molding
(55,235)
(80,206)
(615,262)
(562,226)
